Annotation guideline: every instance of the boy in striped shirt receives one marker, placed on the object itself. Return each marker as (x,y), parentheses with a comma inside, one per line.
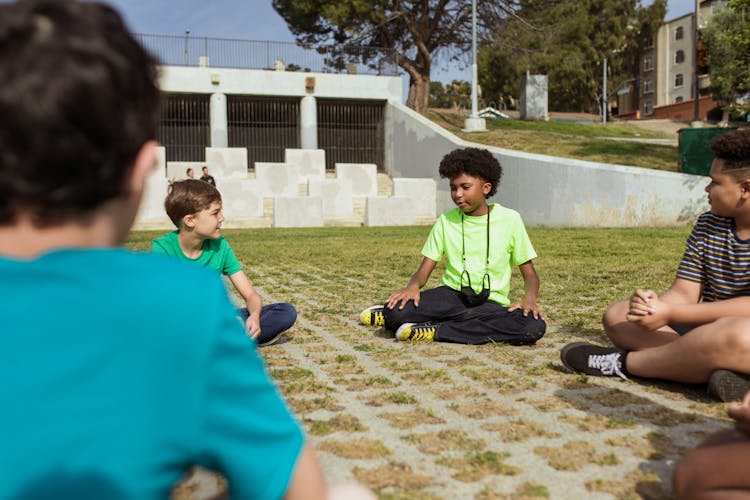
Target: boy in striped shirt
(699,329)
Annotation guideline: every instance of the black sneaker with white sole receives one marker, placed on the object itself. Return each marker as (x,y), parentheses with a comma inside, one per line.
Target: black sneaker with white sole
(593,359)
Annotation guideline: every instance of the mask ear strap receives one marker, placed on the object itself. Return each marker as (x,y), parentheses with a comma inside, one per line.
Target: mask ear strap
(487,256)
(468,278)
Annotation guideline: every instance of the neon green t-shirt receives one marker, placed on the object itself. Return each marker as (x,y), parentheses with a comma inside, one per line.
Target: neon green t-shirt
(509,246)
(216,254)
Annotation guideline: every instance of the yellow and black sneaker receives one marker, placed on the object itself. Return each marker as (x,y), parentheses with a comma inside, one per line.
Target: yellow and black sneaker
(372,316)
(417,331)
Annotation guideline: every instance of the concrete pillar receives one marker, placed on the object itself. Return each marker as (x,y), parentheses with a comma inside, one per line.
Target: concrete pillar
(308,117)
(218,118)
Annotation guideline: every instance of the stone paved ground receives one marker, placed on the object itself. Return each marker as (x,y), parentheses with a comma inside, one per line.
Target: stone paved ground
(433,420)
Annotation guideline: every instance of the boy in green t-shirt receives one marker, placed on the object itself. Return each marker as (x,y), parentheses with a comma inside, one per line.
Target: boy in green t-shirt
(480,242)
(194,206)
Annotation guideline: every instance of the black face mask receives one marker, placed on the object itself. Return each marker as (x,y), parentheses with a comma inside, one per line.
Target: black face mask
(469,296)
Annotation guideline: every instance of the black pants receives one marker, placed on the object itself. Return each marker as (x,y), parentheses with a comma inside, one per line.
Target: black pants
(488,322)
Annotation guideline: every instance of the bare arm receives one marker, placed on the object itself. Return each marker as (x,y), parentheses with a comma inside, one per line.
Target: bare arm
(680,305)
(531,283)
(707,312)
(245,288)
(307,480)
(411,290)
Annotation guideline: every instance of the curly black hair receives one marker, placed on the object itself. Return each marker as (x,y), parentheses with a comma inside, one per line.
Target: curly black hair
(734,148)
(475,162)
(78,99)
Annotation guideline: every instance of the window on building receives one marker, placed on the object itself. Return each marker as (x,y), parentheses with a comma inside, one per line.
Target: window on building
(678,99)
(648,108)
(679,56)
(679,80)
(648,86)
(649,43)
(679,33)
(648,63)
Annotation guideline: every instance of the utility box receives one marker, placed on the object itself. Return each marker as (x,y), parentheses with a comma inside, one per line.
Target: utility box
(695,151)
(534,97)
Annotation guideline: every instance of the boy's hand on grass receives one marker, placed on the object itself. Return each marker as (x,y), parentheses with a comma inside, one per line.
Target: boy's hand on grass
(403,296)
(252,326)
(740,413)
(528,306)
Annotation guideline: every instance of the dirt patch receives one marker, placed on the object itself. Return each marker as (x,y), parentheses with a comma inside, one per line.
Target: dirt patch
(394,474)
(356,448)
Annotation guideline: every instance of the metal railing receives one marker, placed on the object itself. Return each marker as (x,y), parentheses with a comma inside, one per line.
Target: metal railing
(280,56)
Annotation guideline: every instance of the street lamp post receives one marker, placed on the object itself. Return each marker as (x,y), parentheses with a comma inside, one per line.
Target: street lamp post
(696,93)
(604,92)
(187,35)
(474,123)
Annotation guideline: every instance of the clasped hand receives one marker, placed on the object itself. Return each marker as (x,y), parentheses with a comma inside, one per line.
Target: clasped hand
(647,310)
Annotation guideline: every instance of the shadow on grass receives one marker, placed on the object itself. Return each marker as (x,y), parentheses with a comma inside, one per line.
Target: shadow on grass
(660,448)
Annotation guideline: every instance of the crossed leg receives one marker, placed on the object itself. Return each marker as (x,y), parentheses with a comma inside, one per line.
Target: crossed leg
(689,358)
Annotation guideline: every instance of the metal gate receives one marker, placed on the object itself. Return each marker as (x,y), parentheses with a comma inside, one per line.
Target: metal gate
(266,126)
(184,129)
(351,131)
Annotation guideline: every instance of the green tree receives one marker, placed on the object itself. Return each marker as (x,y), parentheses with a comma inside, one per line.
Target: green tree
(568,41)
(417,30)
(727,40)
(438,97)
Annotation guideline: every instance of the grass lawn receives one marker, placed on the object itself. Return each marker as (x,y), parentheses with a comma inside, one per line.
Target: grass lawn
(581,270)
(585,141)
(434,420)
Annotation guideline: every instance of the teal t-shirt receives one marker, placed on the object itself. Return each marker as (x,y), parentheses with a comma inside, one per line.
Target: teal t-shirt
(216,254)
(113,385)
(509,246)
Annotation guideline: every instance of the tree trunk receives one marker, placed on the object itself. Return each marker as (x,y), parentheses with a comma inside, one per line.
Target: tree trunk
(724,118)
(419,93)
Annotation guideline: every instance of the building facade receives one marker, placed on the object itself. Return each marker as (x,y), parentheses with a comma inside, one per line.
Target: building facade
(667,72)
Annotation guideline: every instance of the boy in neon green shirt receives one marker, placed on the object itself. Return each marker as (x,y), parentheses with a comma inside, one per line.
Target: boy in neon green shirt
(480,242)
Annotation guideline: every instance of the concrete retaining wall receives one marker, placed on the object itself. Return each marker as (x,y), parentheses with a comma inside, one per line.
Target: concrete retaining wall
(550,191)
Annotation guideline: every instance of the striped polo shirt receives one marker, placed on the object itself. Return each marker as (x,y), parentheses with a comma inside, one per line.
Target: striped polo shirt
(717,258)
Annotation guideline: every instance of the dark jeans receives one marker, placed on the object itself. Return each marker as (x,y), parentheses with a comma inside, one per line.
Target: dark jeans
(274,319)
(488,322)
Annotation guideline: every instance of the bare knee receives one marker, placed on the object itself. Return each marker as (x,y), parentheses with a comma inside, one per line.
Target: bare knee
(614,318)
(731,336)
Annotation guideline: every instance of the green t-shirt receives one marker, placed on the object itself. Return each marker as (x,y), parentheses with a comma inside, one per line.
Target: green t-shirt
(509,246)
(216,254)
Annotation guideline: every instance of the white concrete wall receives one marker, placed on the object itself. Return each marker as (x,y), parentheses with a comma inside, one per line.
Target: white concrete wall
(278,83)
(551,191)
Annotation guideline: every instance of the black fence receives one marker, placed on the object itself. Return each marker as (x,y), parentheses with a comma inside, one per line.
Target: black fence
(281,56)
(351,131)
(266,126)
(184,129)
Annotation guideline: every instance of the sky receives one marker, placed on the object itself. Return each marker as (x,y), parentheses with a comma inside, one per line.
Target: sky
(257,20)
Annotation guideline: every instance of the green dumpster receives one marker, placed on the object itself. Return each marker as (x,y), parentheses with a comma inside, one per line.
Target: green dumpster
(695,151)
